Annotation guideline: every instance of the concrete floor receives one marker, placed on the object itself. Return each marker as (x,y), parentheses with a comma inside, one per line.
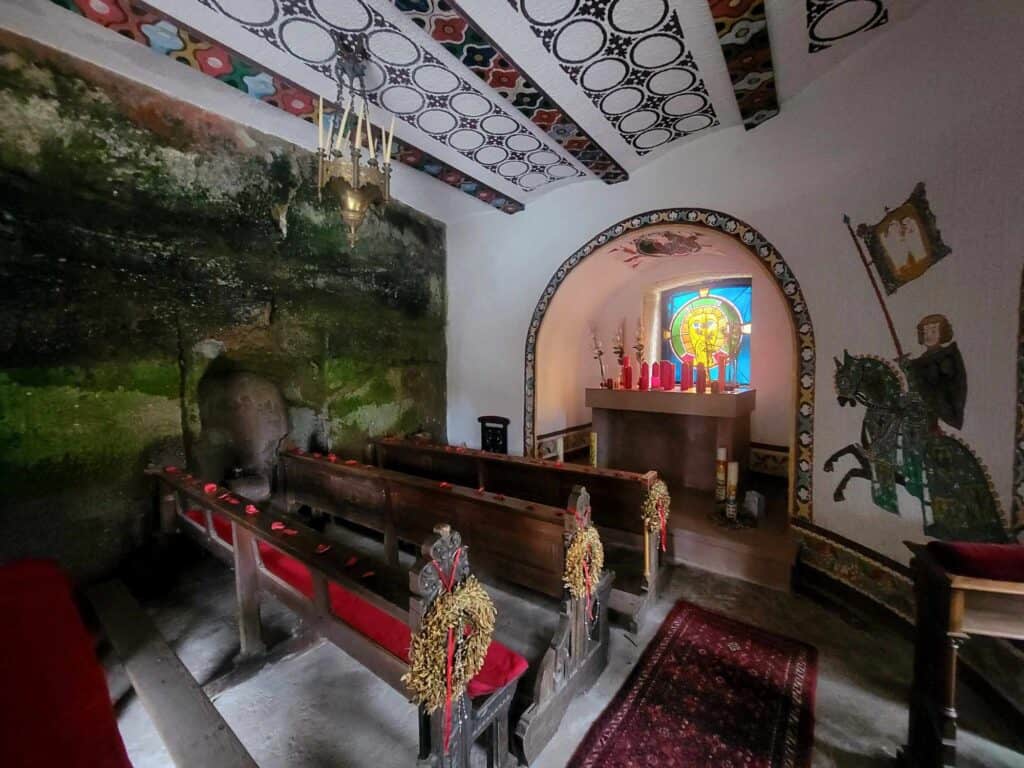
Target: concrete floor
(323,710)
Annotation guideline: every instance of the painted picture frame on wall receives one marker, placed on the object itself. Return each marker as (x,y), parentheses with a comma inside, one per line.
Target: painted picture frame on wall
(906,243)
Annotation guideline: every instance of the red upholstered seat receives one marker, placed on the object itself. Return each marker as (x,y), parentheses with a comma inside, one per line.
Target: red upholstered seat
(501,666)
(57,709)
(1001,562)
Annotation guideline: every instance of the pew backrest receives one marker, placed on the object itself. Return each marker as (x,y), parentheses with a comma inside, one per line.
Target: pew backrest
(617,496)
(519,541)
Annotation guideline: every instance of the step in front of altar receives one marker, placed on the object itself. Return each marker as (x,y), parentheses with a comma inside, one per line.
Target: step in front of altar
(764,555)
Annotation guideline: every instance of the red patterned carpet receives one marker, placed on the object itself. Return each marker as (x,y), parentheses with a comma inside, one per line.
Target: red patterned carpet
(709,692)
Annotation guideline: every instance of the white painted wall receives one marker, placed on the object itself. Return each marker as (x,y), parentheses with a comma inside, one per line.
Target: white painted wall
(932,100)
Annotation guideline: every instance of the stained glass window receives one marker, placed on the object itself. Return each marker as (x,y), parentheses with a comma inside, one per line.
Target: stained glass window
(701,320)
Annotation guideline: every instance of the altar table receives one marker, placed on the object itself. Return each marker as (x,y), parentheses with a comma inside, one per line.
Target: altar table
(675,433)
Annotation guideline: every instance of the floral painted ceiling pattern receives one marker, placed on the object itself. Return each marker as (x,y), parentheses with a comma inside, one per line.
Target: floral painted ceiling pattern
(631,60)
(742,28)
(409,81)
(465,40)
(169,38)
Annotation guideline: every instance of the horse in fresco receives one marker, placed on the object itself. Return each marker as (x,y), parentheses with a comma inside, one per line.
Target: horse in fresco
(901,445)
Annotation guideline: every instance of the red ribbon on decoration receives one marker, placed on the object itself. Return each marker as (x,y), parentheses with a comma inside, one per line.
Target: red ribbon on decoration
(664,526)
(448,583)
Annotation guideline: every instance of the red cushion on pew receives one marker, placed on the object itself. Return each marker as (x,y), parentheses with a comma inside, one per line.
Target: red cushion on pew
(57,709)
(1002,562)
(501,666)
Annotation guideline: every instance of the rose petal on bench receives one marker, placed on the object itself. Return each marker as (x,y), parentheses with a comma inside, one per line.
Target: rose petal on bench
(289,532)
(351,463)
(321,548)
(367,575)
(481,491)
(250,509)
(210,488)
(171,470)
(277,525)
(332,457)
(351,561)
(444,485)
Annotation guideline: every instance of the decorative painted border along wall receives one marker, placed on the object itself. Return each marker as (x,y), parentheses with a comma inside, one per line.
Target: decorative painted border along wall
(167,37)
(801,485)
(868,573)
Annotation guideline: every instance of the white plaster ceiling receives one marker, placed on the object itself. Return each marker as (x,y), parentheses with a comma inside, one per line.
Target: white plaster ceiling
(524,96)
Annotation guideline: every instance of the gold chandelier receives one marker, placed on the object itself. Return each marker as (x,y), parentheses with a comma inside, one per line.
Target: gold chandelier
(357,184)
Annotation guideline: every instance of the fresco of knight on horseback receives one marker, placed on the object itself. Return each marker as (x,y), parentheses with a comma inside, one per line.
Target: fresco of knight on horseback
(901,443)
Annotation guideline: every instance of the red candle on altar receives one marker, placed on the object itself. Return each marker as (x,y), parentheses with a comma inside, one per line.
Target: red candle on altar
(645,377)
(627,374)
(721,359)
(702,378)
(668,375)
(655,375)
(687,379)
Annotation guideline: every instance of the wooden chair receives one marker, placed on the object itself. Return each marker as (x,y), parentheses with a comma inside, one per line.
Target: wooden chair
(950,610)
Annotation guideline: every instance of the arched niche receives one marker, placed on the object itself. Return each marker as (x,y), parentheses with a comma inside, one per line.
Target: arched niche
(595,272)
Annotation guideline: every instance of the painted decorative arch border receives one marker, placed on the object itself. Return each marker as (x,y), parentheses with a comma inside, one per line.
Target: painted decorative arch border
(803,445)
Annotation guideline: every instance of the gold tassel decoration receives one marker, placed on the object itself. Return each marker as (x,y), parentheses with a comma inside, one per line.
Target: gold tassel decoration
(583,559)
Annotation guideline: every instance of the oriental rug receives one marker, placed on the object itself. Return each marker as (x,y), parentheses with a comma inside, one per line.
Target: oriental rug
(709,692)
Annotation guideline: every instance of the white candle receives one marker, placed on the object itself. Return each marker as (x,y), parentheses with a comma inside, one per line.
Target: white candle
(733,475)
(341,129)
(391,138)
(722,454)
(359,132)
(320,124)
(369,131)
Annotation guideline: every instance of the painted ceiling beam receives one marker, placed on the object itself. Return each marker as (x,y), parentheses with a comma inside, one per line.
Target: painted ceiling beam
(169,37)
(461,36)
(630,59)
(742,28)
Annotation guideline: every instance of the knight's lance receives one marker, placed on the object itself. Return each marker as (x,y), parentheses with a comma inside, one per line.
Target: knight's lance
(874,284)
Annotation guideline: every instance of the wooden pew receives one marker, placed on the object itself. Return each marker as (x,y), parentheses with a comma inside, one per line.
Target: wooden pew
(950,610)
(515,541)
(617,498)
(314,577)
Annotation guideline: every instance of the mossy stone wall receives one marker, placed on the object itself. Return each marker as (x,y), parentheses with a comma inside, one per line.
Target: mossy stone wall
(144,242)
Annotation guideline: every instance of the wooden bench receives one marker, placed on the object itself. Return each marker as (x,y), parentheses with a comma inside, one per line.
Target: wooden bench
(368,609)
(514,541)
(617,498)
(191,728)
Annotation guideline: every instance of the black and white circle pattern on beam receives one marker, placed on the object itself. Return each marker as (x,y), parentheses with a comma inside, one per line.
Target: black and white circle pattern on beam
(410,82)
(829,21)
(631,60)
(248,11)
